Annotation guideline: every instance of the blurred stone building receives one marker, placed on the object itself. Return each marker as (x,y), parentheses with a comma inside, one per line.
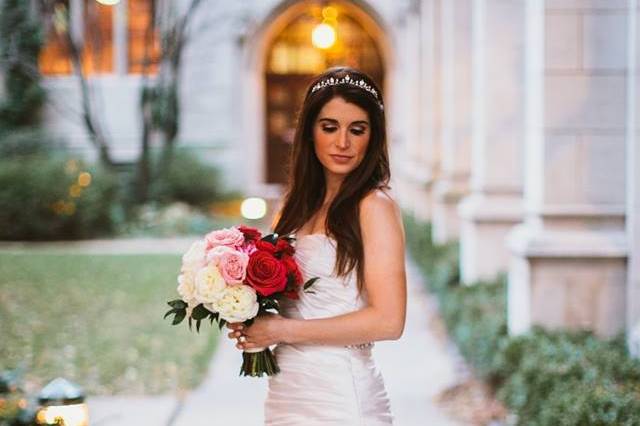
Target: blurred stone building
(513,124)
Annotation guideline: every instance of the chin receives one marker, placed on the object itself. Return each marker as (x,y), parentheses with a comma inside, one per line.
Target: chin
(340,170)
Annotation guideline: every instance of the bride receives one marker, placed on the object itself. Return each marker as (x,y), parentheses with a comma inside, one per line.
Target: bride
(349,233)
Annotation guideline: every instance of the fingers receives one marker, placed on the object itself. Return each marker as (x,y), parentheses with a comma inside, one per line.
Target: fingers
(235,325)
(236,333)
(245,345)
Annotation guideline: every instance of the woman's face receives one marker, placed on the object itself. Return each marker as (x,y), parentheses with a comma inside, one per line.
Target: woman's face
(341,135)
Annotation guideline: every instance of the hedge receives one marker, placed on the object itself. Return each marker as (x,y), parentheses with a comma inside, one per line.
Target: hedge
(544,377)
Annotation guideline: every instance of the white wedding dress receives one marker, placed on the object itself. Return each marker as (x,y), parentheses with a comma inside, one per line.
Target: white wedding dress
(321,384)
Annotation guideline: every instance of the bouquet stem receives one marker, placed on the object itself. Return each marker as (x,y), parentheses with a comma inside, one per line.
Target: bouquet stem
(258,361)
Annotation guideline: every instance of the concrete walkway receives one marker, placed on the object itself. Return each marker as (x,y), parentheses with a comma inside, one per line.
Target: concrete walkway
(416,368)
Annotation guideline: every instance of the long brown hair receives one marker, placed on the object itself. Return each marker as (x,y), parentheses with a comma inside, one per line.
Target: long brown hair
(307,187)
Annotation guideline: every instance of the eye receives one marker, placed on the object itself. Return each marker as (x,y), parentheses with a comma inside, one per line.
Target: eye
(357,131)
(329,129)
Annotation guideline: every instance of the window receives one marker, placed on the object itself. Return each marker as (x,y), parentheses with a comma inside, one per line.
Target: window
(144,46)
(97,52)
(54,57)
(98,48)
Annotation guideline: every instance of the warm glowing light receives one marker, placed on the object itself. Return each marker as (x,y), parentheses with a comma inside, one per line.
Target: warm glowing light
(73,415)
(323,36)
(108,2)
(58,206)
(84,179)
(253,208)
(330,13)
(69,208)
(75,190)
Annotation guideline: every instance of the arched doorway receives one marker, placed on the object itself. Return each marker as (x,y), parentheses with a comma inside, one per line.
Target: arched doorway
(293,56)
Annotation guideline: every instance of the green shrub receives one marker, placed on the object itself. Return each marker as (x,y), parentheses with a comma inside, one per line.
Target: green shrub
(476,319)
(438,262)
(545,374)
(21,38)
(544,377)
(575,402)
(36,202)
(188,180)
(21,143)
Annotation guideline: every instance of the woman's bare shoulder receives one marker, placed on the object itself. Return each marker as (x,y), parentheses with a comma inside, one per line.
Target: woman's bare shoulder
(379,210)
(379,198)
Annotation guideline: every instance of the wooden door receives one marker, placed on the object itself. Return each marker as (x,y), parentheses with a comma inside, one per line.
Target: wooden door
(284,97)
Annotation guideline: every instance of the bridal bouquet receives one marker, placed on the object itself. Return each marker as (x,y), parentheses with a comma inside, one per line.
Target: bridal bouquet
(233,275)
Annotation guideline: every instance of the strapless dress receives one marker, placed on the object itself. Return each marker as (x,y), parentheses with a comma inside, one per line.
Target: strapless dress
(323,384)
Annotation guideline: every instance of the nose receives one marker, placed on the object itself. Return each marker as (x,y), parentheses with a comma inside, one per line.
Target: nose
(342,141)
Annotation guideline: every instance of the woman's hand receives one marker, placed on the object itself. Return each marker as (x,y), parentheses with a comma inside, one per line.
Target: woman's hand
(266,330)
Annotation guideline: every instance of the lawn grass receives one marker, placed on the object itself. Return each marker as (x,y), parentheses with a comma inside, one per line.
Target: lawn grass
(97,320)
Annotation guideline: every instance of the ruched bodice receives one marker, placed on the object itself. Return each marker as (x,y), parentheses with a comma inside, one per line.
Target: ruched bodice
(323,384)
(315,256)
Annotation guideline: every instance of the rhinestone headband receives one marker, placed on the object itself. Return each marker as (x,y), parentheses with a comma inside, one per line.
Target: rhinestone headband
(331,81)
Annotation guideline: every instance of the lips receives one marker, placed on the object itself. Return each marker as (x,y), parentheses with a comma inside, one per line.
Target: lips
(341,158)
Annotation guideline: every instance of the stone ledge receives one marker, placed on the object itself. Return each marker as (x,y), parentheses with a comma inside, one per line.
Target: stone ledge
(524,241)
(480,208)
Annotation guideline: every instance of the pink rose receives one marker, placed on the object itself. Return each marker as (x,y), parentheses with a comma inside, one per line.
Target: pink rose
(230,237)
(231,263)
(248,248)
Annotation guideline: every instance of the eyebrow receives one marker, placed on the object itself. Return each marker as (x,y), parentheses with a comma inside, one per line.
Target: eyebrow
(334,121)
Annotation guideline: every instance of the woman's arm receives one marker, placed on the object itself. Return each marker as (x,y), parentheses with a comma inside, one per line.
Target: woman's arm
(384,280)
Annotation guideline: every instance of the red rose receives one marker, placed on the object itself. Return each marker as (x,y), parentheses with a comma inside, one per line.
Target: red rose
(294,277)
(293,294)
(283,246)
(250,234)
(265,246)
(292,268)
(265,273)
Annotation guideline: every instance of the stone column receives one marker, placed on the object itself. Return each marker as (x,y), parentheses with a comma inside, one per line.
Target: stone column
(633,179)
(76,20)
(495,204)
(420,164)
(569,258)
(406,122)
(453,182)
(121,38)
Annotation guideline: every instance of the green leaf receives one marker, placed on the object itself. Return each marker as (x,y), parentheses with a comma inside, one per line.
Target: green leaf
(169,312)
(179,317)
(221,324)
(178,304)
(190,321)
(310,282)
(310,291)
(198,325)
(200,312)
(270,304)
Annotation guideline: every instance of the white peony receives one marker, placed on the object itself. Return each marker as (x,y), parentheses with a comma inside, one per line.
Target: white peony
(195,257)
(209,284)
(237,304)
(187,286)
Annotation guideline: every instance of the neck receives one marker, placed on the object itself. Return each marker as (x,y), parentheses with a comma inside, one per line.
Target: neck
(333,185)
